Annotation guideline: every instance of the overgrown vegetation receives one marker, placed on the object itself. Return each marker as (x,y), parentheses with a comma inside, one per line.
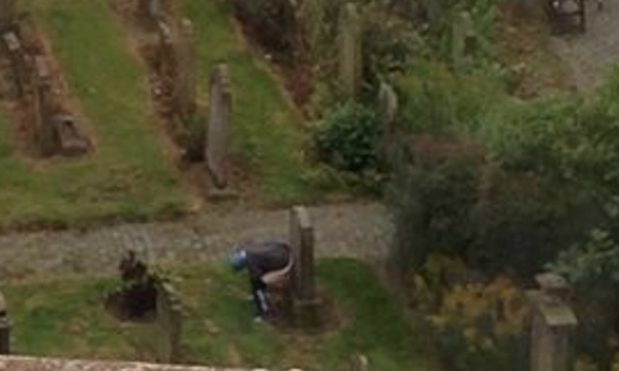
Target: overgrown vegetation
(218,326)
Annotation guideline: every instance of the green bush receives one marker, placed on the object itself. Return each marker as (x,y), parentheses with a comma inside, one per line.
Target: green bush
(349,138)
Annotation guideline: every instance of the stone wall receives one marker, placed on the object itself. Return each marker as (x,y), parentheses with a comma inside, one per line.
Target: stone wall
(48,364)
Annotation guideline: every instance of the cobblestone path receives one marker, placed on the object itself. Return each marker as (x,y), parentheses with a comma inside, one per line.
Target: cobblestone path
(349,230)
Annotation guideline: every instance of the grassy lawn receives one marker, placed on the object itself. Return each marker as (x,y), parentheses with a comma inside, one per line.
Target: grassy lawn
(128,176)
(66,318)
(266,131)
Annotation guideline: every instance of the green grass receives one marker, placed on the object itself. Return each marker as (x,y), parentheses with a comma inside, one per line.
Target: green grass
(266,131)
(128,176)
(218,329)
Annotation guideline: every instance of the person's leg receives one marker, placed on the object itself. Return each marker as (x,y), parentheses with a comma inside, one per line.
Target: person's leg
(261,301)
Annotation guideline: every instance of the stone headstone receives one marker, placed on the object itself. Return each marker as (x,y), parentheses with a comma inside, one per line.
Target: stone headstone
(185,86)
(360,363)
(220,115)
(434,13)
(306,304)
(166,57)
(71,141)
(350,59)
(169,323)
(16,53)
(43,102)
(387,106)
(552,325)
(464,40)
(7,13)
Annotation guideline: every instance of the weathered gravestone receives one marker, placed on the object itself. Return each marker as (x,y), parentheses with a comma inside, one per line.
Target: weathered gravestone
(434,13)
(70,141)
(464,40)
(387,107)
(151,10)
(185,85)
(306,304)
(5,328)
(17,56)
(387,110)
(43,108)
(220,115)
(350,59)
(7,13)
(552,324)
(169,324)
(165,57)
(360,363)
(567,16)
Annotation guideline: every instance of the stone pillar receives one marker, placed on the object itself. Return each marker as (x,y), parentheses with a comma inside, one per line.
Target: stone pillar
(552,324)
(5,328)
(45,133)
(306,304)
(220,116)
(7,13)
(351,59)
(185,87)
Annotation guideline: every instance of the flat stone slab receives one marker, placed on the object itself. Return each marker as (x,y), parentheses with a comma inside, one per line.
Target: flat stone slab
(49,364)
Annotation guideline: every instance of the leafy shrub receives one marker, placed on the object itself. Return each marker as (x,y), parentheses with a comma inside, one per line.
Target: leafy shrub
(349,138)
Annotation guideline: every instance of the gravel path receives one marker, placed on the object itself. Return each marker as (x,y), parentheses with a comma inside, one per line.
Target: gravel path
(350,230)
(593,55)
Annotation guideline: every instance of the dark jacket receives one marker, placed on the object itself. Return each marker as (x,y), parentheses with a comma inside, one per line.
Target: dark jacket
(265,257)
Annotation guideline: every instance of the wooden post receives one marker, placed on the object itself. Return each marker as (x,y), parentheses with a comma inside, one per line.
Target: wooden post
(552,325)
